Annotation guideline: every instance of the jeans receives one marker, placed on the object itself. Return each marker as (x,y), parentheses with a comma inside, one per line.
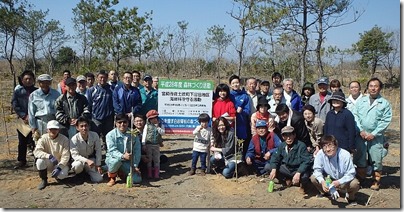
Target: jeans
(195,156)
(228,169)
(261,167)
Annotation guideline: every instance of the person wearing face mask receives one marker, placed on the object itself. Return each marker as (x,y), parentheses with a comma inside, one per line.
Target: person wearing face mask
(20,106)
(336,163)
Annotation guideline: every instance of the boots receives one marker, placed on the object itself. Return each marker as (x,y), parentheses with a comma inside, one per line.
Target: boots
(156,172)
(191,172)
(112,179)
(302,189)
(149,172)
(361,174)
(43,174)
(377,175)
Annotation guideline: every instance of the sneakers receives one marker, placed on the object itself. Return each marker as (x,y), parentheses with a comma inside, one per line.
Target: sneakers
(203,173)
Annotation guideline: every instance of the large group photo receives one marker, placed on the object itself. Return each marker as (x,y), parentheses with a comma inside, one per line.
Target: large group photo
(134,115)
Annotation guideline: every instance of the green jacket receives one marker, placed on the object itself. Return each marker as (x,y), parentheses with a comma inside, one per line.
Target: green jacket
(298,159)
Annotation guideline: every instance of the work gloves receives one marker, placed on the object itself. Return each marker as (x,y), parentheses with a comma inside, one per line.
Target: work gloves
(53,160)
(56,172)
(333,192)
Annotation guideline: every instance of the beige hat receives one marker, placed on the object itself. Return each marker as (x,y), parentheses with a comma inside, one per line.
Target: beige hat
(81,78)
(44,77)
(287,129)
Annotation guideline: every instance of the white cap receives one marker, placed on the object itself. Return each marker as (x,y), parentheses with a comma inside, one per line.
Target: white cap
(44,77)
(53,124)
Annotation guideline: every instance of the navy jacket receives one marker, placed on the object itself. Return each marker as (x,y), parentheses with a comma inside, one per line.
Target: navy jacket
(100,101)
(124,99)
(342,126)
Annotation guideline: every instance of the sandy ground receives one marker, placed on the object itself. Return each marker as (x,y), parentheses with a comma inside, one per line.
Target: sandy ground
(178,190)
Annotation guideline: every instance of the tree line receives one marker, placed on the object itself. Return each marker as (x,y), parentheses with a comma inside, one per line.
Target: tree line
(285,36)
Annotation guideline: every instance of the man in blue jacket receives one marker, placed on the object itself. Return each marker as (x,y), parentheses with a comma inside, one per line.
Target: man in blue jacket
(126,98)
(100,103)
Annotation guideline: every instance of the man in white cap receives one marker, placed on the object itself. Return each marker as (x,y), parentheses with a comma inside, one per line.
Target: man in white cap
(81,85)
(41,105)
(52,153)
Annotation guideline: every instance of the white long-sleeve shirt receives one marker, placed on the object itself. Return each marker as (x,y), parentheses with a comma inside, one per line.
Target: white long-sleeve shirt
(81,150)
(58,147)
(202,139)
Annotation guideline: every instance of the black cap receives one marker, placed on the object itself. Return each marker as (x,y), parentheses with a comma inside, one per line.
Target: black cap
(70,81)
(265,82)
(147,77)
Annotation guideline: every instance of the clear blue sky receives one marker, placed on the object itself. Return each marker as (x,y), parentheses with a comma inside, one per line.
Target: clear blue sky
(202,14)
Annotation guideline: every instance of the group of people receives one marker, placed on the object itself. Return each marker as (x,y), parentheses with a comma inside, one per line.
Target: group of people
(296,138)
(72,123)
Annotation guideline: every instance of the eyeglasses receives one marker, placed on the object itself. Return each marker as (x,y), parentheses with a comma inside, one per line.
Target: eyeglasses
(121,122)
(329,146)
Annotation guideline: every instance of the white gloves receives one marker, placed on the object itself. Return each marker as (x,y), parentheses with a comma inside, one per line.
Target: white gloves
(333,192)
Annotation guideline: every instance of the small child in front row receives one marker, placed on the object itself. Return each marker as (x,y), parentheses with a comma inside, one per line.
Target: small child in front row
(203,134)
(152,138)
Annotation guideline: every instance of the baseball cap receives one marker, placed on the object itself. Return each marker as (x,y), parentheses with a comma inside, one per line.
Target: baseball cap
(261,123)
(53,124)
(44,77)
(81,78)
(147,77)
(265,82)
(287,129)
(323,80)
(70,81)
